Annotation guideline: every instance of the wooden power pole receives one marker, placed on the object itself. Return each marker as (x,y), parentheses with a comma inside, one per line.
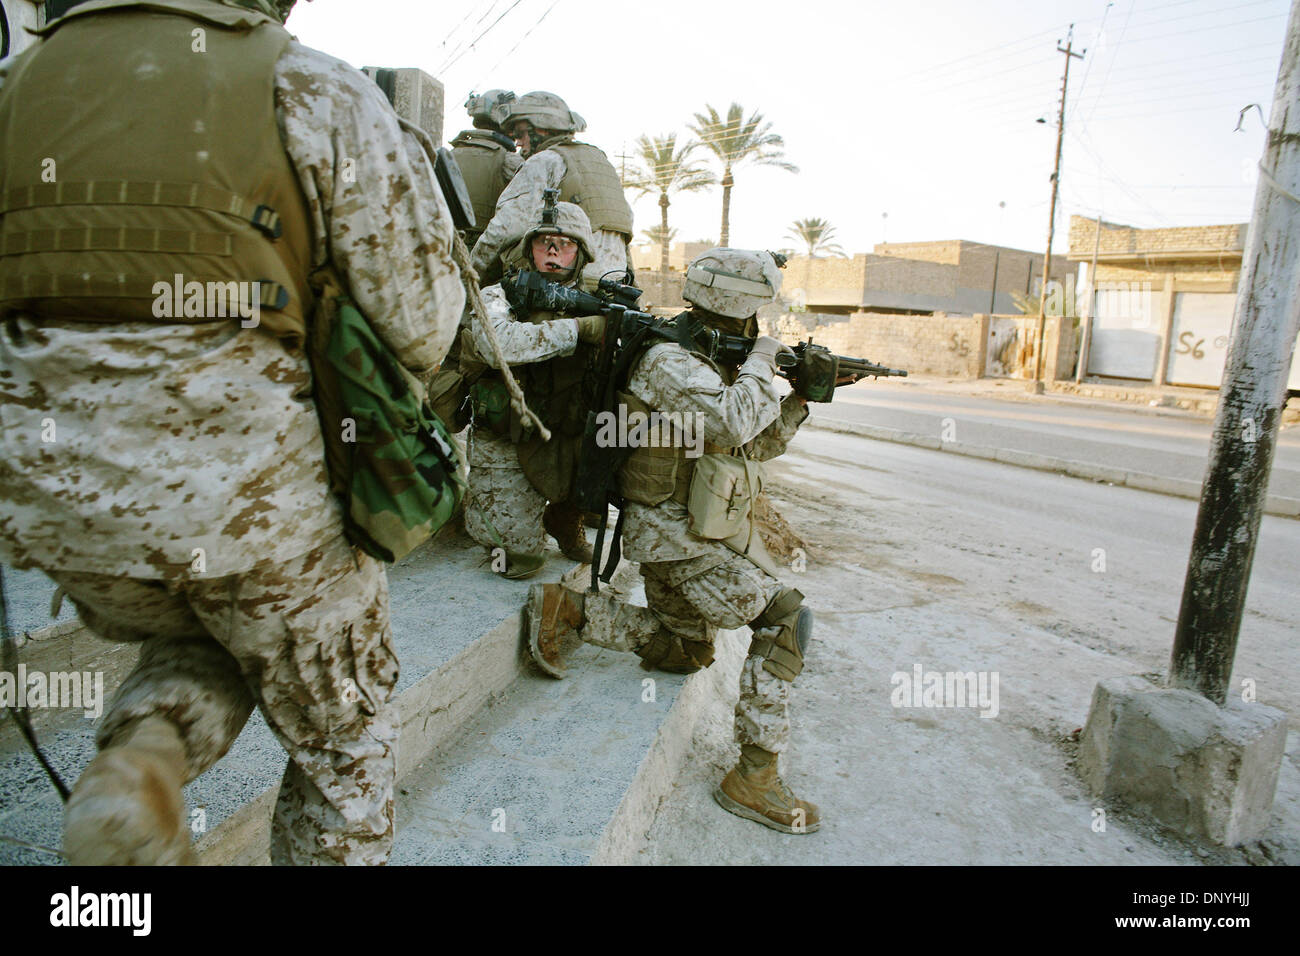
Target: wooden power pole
(1068,50)
(1251,400)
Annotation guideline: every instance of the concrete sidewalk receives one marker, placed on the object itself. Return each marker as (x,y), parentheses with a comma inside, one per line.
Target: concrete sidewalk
(1138,397)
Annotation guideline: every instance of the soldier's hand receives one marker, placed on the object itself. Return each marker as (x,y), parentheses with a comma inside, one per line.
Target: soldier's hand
(766,348)
(591,328)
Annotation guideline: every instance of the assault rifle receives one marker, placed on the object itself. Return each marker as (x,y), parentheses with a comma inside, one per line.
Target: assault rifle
(813,371)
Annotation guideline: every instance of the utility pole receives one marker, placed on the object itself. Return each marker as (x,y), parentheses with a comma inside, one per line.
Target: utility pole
(1252,396)
(997,257)
(1068,50)
(1086,343)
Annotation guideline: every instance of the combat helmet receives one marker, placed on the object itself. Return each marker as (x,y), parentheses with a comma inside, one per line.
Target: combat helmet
(543,110)
(564,219)
(480,107)
(733,283)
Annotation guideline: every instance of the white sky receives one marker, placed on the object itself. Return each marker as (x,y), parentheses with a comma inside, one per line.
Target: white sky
(923,110)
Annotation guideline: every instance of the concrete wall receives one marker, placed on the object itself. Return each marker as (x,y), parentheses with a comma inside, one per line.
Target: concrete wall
(948,345)
(649,255)
(946,276)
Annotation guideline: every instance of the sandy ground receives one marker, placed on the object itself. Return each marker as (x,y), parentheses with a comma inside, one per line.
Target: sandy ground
(917,558)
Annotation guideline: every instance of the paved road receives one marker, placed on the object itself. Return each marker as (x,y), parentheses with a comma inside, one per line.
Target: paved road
(922,558)
(1172,445)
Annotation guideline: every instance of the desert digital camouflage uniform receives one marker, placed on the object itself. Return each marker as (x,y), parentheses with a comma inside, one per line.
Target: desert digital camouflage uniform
(513,472)
(694,585)
(688,521)
(547,168)
(183,500)
(507,509)
(517,209)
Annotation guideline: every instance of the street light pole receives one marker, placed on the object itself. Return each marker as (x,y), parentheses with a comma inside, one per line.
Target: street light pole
(1068,50)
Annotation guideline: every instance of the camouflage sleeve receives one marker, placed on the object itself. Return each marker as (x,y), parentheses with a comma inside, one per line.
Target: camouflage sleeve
(773,439)
(376,211)
(509,166)
(522,342)
(611,256)
(670,379)
(518,207)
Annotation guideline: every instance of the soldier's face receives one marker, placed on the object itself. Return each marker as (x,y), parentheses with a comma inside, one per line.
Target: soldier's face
(554,253)
(522,134)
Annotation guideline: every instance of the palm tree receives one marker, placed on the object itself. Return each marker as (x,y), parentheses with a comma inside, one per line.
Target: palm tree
(817,235)
(736,140)
(657,236)
(664,169)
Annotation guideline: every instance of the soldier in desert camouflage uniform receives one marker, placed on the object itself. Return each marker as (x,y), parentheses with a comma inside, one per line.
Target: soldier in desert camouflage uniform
(544,127)
(486,157)
(168,472)
(513,472)
(695,584)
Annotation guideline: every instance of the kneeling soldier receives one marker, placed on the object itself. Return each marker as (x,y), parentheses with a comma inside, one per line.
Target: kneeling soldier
(688,523)
(522,485)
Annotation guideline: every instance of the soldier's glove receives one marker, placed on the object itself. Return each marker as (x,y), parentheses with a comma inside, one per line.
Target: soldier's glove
(766,348)
(591,328)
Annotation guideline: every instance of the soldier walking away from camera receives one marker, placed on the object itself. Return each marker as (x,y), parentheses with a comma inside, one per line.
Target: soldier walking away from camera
(688,521)
(164,464)
(486,157)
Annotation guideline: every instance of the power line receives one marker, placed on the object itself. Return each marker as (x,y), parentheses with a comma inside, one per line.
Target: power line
(474,42)
(526,35)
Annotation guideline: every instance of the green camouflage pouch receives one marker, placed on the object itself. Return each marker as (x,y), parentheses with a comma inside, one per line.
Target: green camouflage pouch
(491,403)
(398,472)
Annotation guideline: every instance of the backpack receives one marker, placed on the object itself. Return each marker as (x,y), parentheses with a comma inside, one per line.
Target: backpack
(398,472)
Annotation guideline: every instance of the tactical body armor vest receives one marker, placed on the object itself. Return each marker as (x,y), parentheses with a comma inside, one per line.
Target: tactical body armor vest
(652,475)
(96,209)
(484,158)
(591,182)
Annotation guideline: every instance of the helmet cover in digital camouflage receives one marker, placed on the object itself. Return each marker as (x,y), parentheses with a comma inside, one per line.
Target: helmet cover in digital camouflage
(543,110)
(570,221)
(480,106)
(733,283)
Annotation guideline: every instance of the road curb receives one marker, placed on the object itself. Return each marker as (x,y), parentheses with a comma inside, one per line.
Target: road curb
(1279,505)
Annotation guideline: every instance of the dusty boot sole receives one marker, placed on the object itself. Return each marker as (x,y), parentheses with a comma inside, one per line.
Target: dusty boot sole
(740,810)
(534,614)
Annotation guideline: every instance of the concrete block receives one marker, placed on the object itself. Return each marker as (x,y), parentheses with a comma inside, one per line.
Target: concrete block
(416,96)
(1209,772)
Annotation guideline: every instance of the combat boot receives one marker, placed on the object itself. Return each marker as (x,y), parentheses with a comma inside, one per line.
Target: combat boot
(127,808)
(521,565)
(554,619)
(754,790)
(563,522)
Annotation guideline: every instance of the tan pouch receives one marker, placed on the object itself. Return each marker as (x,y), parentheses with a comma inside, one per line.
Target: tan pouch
(721,497)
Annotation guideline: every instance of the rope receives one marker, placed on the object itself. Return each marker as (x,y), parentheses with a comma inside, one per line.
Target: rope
(469,277)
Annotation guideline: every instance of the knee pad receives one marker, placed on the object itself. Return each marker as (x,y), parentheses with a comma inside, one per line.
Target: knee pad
(782,633)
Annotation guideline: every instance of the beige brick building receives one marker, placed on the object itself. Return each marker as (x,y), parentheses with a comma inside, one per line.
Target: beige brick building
(956,276)
(1164,300)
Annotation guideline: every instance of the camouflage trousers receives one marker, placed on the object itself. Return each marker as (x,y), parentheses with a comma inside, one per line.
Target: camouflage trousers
(690,604)
(503,510)
(308,642)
